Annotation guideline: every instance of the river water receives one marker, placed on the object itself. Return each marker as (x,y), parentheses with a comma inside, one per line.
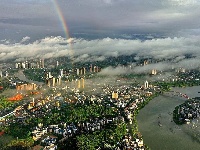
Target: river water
(160,132)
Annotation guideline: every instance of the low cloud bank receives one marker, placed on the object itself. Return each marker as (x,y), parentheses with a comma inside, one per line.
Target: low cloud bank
(99,49)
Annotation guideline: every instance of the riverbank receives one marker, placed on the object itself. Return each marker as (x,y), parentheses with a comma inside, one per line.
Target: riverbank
(156,124)
(22,77)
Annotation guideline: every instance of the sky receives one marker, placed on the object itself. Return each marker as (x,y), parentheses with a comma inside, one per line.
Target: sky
(153,28)
(98,18)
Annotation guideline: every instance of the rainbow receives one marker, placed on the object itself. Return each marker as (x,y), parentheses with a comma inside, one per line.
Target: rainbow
(61,18)
(65,27)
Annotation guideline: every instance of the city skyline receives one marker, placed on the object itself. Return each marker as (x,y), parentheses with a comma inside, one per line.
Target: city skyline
(162,29)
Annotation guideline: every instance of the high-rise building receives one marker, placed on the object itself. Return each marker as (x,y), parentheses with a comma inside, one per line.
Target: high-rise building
(82,83)
(146,84)
(57,63)
(29,65)
(23,65)
(48,82)
(95,68)
(145,62)
(61,72)
(38,65)
(81,71)
(6,74)
(1,74)
(58,82)
(26,64)
(42,63)
(33,102)
(77,72)
(26,87)
(91,68)
(49,75)
(53,81)
(34,86)
(17,65)
(114,95)
(153,71)
(84,71)
(78,84)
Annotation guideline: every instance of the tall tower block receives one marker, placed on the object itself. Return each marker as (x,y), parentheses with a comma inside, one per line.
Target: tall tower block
(146,84)
(78,84)
(84,71)
(83,83)
(53,81)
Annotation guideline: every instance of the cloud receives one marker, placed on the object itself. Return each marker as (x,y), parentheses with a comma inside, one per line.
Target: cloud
(169,53)
(44,48)
(168,17)
(162,66)
(114,71)
(89,58)
(183,2)
(25,39)
(189,63)
(174,49)
(138,69)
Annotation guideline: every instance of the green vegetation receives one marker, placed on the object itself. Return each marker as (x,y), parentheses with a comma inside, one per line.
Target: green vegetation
(73,113)
(106,138)
(20,144)
(34,74)
(4,103)
(17,136)
(5,140)
(18,130)
(4,84)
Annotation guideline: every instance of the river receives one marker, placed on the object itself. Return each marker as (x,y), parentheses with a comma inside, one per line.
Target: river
(160,132)
(22,77)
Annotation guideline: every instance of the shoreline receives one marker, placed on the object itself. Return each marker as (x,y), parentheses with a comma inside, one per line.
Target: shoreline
(147,120)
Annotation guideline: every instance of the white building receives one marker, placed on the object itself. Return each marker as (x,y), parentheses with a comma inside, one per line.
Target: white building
(146,84)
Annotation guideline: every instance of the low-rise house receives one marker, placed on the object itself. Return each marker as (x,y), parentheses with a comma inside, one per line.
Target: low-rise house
(49,140)
(51,147)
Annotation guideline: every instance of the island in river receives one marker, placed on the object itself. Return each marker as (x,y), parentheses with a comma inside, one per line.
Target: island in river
(187,111)
(160,132)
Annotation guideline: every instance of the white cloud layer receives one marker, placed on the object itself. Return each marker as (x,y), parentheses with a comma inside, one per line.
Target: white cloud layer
(172,52)
(99,49)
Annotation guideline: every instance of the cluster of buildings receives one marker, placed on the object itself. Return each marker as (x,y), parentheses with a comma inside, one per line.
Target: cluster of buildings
(130,143)
(26,87)
(78,73)
(66,131)
(3,74)
(118,96)
(188,111)
(94,68)
(30,64)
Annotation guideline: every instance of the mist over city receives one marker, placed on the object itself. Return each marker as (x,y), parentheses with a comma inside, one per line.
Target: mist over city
(99,74)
